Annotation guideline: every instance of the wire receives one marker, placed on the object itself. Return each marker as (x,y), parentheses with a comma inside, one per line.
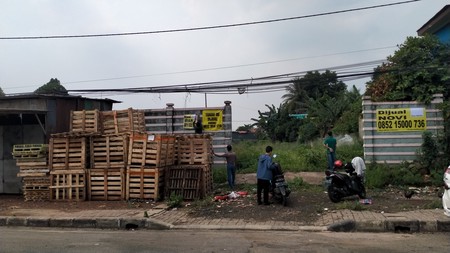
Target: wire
(205,27)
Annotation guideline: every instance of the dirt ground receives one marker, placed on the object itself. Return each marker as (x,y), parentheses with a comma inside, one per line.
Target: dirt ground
(304,206)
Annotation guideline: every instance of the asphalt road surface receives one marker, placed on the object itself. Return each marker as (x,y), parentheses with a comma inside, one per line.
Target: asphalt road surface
(45,240)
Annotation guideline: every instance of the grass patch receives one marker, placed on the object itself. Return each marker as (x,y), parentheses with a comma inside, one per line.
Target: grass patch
(350,205)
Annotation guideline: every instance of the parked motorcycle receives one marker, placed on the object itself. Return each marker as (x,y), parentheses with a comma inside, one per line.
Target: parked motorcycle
(344,184)
(446,195)
(280,188)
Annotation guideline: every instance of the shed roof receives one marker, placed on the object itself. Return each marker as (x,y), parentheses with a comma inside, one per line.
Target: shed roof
(439,20)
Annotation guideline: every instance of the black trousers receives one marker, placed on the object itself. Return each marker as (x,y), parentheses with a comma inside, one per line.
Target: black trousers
(263,187)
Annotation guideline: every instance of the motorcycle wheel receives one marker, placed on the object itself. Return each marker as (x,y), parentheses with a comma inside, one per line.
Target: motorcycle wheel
(362,193)
(284,200)
(333,194)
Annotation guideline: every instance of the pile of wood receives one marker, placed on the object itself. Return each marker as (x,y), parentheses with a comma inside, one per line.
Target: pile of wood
(191,177)
(109,156)
(33,168)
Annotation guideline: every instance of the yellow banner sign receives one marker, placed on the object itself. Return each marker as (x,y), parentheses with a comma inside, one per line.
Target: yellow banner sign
(188,121)
(212,120)
(404,119)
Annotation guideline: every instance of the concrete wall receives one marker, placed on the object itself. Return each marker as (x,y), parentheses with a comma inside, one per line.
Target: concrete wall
(171,121)
(394,147)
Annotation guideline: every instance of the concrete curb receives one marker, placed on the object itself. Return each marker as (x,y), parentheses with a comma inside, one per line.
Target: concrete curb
(101,223)
(389,225)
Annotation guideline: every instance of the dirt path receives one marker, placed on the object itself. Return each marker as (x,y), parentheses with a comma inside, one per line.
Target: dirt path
(315,178)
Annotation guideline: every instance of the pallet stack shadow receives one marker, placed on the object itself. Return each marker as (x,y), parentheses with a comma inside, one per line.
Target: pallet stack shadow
(33,168)
(191,177)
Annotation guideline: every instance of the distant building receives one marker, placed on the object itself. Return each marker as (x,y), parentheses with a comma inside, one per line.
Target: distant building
(438,25)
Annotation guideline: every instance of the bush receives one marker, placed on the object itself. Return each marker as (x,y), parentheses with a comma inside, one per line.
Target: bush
(174,200)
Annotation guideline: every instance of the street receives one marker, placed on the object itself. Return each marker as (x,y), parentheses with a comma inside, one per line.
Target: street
(45,240)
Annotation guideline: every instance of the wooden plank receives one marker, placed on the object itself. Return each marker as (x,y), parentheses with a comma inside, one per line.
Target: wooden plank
(144,183)
(106,184)
(68,185)
(109,151)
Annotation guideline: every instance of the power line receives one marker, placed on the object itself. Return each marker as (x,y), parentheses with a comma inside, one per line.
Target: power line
(205,27)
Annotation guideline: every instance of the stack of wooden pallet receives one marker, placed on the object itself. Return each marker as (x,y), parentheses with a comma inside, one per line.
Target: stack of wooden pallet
(109,156)
(33,168)
(148,157)
(191,177)
(89,162)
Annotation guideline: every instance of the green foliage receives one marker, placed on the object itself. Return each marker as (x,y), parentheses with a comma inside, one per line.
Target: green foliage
(350,205)
(429,152)
(293,157)
(416,71)
(380,176)
(219,174)
(174,200)
(52,87)
(297,184)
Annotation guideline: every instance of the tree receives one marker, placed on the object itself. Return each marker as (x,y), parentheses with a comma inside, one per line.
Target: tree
(2,94)
(276,124)
(416,71)
(313,85)
(52,87)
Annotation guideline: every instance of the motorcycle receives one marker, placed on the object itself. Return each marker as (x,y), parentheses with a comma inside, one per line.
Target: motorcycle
(446,195)
(280,188)
(344,184)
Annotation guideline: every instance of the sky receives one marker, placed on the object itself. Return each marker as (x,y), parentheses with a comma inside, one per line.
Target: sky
(307,43)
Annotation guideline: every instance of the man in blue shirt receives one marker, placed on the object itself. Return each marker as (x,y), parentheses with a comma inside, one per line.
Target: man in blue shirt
(264,175)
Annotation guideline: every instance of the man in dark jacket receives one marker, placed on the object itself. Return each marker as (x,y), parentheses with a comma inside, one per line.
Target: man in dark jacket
(264,175)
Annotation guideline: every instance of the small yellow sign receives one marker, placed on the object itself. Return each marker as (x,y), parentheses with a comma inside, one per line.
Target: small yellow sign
(402,119)
(212,120)
(188,121)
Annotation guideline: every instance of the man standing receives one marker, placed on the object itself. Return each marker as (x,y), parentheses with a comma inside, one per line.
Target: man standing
(231,158)
(264,175)
(330,144)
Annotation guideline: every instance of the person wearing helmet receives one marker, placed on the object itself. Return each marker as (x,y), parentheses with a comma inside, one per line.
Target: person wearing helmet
(330,144)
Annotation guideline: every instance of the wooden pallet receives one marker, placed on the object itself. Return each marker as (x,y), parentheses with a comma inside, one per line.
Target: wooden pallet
(109,151)
(106,184)
(69,185)
(122,121)
(68,153)
(151,150)
(194,149)
(30,151)
(185,181)
(86,121)
(36,188)
(32,167)
(144,183)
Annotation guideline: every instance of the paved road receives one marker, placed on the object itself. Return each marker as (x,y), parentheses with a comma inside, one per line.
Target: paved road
(45,240)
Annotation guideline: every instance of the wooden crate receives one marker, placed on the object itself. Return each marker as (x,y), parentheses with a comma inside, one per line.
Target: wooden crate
(32,167)
(36,188)
(68,153)
(68,185)
(30,151)
(86,121)
(194,149)
(109,151)
(106,184)
(122,121)
(185,181)
(151,150)
(144,183)
(207,181)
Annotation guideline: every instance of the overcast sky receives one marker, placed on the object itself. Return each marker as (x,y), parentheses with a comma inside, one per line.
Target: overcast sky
(160,59)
